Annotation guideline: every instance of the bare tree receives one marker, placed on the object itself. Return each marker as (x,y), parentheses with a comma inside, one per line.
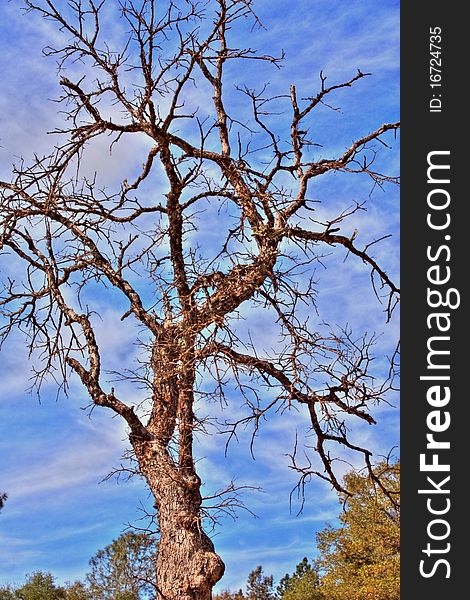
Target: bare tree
(71,234)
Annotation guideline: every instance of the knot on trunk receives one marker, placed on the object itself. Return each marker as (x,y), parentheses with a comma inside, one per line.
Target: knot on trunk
(208,569)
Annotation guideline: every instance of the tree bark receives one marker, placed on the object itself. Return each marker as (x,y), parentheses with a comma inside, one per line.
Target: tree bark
(187,565)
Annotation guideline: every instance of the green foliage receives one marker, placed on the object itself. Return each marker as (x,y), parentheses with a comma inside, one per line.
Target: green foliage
(304,588)
(226,595)
(125,569)
(259,586)
(39,586)
(77,591)
(3,498)
(360,559)
(6,593)
(302,585)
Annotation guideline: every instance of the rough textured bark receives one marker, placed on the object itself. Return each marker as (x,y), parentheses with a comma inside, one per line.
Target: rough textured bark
(187,567)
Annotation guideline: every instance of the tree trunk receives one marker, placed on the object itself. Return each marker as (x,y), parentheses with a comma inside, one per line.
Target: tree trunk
(187,565)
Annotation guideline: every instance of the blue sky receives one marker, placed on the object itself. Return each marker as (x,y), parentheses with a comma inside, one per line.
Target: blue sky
(53,455)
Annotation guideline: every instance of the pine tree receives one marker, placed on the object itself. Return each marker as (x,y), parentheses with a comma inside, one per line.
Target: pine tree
(259,586)
(302,585)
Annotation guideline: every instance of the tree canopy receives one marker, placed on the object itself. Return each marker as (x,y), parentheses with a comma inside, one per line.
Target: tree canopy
(303,584)
(259,586)
(360,559)
(125,569)
(122,570)
(40,586)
